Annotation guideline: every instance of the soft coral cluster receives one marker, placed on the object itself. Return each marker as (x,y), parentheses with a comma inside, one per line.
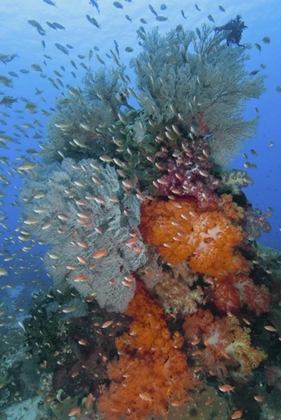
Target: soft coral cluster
(174,288)
(151,371)
(181,230)
(226,345)
(187,173)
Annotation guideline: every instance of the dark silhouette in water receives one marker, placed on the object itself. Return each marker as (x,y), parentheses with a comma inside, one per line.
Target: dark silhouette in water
(95,4)
(233,31)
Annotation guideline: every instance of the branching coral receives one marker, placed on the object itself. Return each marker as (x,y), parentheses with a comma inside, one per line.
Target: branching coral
(181,231)
(151,371)
(227,346)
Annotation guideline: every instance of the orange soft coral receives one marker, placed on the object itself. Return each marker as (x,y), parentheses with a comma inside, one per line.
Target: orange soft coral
(151,371)
(180,230)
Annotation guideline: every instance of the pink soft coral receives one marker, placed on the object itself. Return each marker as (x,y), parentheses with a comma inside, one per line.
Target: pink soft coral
(227,346)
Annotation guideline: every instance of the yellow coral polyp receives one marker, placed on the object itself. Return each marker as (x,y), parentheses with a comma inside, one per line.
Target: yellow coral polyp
(180,231)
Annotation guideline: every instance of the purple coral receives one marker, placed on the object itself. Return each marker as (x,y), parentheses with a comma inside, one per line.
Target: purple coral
(187,173)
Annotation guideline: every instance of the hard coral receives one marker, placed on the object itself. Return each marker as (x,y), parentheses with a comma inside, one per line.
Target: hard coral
(151,371)
(183,231)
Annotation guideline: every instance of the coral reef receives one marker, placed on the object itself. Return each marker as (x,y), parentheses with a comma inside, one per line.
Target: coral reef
(151,371)
(142,219)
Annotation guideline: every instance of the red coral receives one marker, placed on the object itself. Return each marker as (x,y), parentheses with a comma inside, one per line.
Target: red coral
(226,297)
(227,346)
(257,298)
(234,291)
(195,324)
(151,371)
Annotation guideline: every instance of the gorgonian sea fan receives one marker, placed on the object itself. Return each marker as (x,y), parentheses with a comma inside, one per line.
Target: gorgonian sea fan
(82,212)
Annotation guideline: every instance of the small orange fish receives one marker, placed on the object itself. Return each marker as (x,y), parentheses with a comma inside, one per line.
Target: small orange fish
(31,221)
(71,267)
(100,200)
(69,309)
(63,217)
(121,173)
(81,203)
(118,162)
(203,172)
(127,283)
(46,225)
(83,215)
(106,324)
(259,398)
(92,266)
(100,253)
(270,328)
(131,241)
(212,372)
(127,183)
(247,322)
(145,396)
(226,388)
(209,401)
(75,412)
(105,158)
(83,342)
(79,184)
(81,278)
(140,195)
(236,415)
(177,403)
(137,248)
(82,244)
(82,260)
